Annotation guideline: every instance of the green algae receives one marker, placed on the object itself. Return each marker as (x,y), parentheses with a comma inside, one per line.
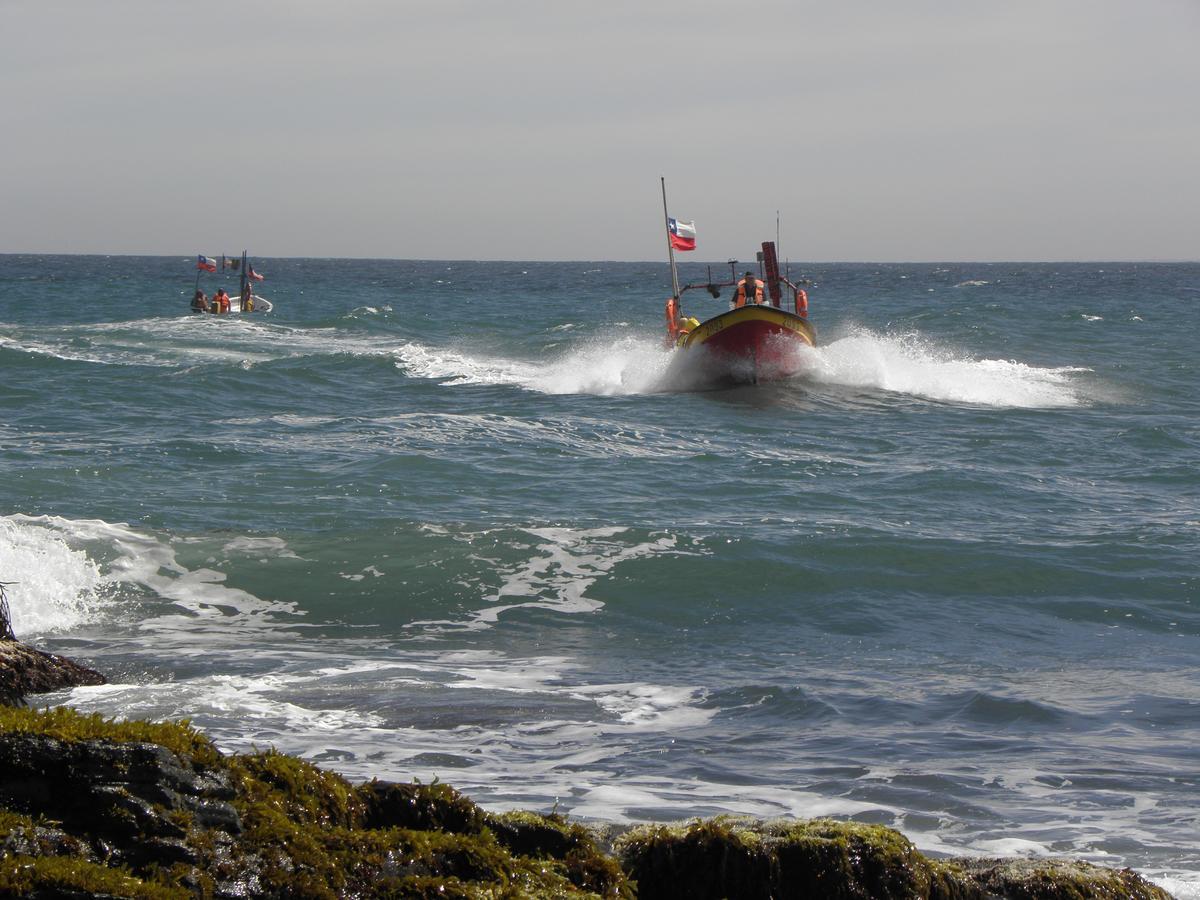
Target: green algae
(300,790)
(23,876)
(553,837)
(422,806)
(1060,879)
(820,858)
(308,832)
(11,821)
(304,832)
(66,724)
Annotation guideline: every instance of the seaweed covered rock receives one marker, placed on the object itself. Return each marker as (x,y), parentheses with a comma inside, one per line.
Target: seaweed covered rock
(552,837)
(91,807)
(746,858)
(437,806)
(568,849)
(1057,879)
(95,808)
(24,670)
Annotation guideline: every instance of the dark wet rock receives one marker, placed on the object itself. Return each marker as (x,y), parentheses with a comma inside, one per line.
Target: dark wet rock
(111,789)
(420,806)
(24,670)
(728,857)
(747,858)
(1057,879)
(97,808)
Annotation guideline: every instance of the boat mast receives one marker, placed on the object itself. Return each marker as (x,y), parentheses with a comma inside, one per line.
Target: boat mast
(670,246)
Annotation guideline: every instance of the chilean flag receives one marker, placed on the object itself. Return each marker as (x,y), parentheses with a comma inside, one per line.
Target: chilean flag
(254,274)
(207,263)
(683,234)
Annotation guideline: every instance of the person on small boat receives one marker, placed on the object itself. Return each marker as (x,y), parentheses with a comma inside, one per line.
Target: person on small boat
(247,298)
(220,301)
(749,290)
(200,301)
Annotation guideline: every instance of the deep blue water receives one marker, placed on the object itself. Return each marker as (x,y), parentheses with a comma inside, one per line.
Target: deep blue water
(443,519)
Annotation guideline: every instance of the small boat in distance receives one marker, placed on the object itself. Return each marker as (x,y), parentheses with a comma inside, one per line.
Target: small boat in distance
(757,339)
(221,303)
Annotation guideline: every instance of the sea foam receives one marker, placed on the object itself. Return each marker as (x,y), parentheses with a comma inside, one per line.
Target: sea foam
(912,365)
(907,364)
(50,585)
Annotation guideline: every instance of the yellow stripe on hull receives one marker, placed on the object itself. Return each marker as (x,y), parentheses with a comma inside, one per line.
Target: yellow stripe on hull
(771,319)
(750,344)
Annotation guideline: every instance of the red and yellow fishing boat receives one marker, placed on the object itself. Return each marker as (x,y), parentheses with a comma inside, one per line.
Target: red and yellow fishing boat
(757,339)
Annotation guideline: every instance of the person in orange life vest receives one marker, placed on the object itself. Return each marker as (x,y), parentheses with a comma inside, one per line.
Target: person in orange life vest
(749,290)
(220,301)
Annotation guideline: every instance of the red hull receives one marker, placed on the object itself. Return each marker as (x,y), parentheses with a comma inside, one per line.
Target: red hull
(751,344)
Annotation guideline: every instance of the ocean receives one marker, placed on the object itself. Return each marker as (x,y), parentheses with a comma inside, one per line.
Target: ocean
(457,520)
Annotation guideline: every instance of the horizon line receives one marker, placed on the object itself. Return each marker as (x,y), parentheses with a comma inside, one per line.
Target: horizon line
(923,262)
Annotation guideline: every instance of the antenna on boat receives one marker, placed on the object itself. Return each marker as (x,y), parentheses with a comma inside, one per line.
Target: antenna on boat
(670,246)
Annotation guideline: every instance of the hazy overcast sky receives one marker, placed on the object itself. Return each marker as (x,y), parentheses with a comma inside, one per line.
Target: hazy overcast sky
(538,129)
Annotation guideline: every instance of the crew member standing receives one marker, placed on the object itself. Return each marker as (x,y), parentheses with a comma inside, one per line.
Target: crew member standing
(749,290)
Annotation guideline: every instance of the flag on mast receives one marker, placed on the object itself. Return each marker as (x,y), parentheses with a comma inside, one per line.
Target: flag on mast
(683,234)
(207,263)
(254,274)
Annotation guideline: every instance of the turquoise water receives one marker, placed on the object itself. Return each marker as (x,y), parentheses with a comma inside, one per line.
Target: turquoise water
(461,519)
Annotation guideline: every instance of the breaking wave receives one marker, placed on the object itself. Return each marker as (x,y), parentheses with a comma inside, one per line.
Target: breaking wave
(900,364)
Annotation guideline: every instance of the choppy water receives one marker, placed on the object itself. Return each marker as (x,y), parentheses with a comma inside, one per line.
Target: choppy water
(443,519)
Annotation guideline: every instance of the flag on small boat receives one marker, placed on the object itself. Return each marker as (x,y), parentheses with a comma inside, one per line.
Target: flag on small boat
(207,263)
(683,234)
(254,274)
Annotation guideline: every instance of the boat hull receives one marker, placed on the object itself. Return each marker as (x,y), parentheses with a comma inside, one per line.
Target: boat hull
(751,344)
(261,305)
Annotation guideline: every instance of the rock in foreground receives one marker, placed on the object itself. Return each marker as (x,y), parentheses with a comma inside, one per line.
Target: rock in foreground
(24,670)
(731,857)
(95,808)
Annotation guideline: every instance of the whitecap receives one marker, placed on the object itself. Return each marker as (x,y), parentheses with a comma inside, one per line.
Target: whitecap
(50,585)
(910,364)
(603,365)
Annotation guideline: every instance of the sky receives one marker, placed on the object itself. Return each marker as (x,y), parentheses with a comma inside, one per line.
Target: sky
(539,129)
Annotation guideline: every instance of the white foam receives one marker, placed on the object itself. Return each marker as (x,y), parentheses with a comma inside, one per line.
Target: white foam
(50,585)
(1011,846)
(623,802)
(624,366)
(260,546)
(420,361)
(565,564)
(256,701)
(651,707)
(602,366)
(910,364)
(188,341)
(1182,887)
(72,568)
(904,364)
